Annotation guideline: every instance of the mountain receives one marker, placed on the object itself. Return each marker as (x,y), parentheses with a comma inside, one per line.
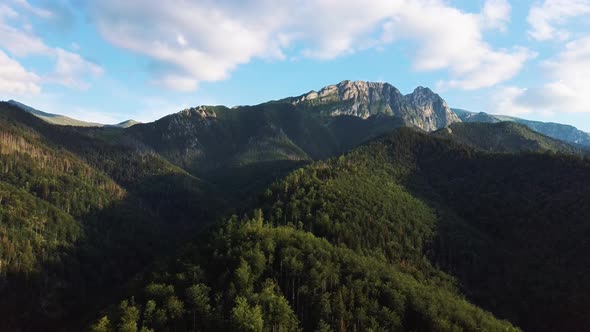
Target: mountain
(422,108)
(63,120)
(70,196)
(467,116)
(566,133)
(291,216)
(244,148)
(313,253)
(400,225)
(247,141)
(209,141)
(126,124)
(504,137)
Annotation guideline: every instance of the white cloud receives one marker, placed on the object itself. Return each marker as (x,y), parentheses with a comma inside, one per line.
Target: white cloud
(177,82)
(20,42)
(492,67)
(221,36)
(504,102)
(181,41)
(6,11)
(447,38)
(547,18)
(206,40)
(567,90)
(37,11)
(14,79)
(495,14)
(70,69)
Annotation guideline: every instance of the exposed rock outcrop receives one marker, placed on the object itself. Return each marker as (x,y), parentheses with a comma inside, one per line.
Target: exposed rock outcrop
(422,108)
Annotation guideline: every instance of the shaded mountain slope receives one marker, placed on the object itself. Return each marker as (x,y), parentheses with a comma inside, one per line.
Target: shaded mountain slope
(504,137)
(71,197)
(387,236)
(496,222)
(566,133)
(252,276)
(423,208)
(244,149)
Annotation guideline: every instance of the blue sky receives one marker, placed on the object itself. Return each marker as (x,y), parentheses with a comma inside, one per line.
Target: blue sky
(111,60)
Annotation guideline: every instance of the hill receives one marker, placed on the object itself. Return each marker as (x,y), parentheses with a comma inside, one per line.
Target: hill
(407,205)
(71,196)
(63,120)
(126,124)
(566,133)
(499,219)
(504,137)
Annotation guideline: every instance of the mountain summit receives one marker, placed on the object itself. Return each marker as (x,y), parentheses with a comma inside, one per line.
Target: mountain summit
(422,108)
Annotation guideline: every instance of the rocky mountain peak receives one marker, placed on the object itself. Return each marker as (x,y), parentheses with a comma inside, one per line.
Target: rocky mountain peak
(187,123)
(200,111)
(422,108)
(422,89)
(422,95)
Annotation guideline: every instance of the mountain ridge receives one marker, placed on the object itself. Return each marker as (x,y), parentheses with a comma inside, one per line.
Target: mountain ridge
(410,201)
(506,136)
(421,108)
(564,132)
(63,120)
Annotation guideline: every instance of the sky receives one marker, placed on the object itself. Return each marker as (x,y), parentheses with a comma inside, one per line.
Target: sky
(109,60)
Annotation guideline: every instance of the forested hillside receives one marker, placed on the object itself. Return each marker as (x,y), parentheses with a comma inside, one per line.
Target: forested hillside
(252,276)
(418,205)
(562,132)
(505,137)
(339,223)
(81,213)
(497,221)
(249,142)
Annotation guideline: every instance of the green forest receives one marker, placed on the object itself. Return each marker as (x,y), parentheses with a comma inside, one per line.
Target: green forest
(269,219)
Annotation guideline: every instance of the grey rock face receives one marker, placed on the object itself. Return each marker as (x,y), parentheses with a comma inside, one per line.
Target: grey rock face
(428,111)
(422,108)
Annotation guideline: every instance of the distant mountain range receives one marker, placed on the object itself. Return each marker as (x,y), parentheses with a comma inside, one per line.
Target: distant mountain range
(274,137)
(421,109)
(63,120)
(566,133)
(505,136)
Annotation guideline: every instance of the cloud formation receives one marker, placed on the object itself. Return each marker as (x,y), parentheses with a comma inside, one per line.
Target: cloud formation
(14,79)
(566,90)
(495,14)
(37,11)
(566,74)
(192,42)
(70,69)
(547,19)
